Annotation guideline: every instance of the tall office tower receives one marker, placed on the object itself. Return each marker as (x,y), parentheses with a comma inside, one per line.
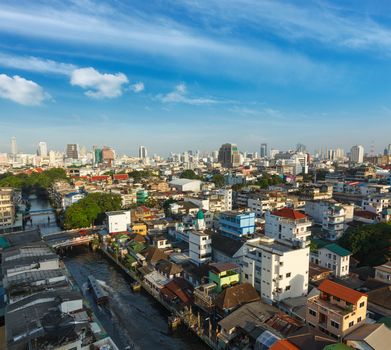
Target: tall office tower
(142,152)
(108,155)
(339,154)
(357,154)
(42,149)
(14,146)
(389,150)
(229,156)
(83,151)
(263,150)
(72,151)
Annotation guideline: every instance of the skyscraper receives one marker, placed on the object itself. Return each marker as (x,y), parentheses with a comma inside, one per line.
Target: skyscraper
(229,156)
(263,150)
(42,149)
(72,151)
(142,152)
(357,154)
(14,146)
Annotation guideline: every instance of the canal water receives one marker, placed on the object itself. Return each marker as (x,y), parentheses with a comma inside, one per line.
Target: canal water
(130,319)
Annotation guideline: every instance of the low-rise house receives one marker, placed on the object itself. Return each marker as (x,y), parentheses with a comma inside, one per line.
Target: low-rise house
(237,224)
(178,291)
(168,269)
(338,310)
(226,249)
(224,275)
(233,297)
(383,272)
(332,257)
(370,336)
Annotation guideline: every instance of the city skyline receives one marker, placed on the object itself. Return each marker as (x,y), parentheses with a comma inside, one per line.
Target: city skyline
(146,71)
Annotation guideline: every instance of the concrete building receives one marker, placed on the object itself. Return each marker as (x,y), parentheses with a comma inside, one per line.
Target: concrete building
(142,152)
(357,154)
(42,149)
(7,207)
(14,147)
(260,203)
(316,210)
(72,151)
(118,221)
(287,225)
(337,310)
(200,247)
(71,198)
(277,271)
(383,272)
(334,222)
(237,224)
(263,150)
(186,185)
(229,156)
(333,257)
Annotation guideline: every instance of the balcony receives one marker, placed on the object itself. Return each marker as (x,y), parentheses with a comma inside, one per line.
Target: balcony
(328,309)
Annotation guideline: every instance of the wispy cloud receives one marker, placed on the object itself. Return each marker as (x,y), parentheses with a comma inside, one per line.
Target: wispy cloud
(35,64)
(319,22)
(179,95)
(174,43)
(21,91)
(99,85)
(138,87)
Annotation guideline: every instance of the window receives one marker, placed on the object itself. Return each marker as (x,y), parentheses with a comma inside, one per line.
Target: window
(334,324)
(312,312)
(337,299)
(288,274)
(351,324)
(287,288)
(359,320)
(246,276)
(362,304)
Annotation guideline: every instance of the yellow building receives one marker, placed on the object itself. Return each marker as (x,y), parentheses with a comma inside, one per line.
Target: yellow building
(224,275)
(140,228)
(7,208)
(337,310)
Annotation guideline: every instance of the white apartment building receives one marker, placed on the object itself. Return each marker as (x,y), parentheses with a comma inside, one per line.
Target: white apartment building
(287,225)
(261,203)
(333,223)
(118,221)
(376,203)
(357,154)
(277,271)
(383,272)
(333,257)
(200,247)
(316,210)
(7,207)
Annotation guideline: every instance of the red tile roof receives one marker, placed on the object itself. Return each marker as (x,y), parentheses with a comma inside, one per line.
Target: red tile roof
(289,214)
(99,178)
(283,345)
(340,291)
(365,214)
(120,177)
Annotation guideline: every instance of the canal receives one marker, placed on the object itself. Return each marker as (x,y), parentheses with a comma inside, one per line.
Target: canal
(130,319)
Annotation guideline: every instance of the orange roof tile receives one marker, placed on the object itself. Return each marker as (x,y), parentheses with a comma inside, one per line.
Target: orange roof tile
(283,345)
(289,214)
(340,291)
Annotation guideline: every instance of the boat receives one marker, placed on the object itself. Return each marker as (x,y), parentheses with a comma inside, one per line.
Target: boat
(100,295)
(136,286)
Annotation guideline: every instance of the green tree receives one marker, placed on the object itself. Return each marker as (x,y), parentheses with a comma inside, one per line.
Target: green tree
(91,210)
(189,174)
(370,244)
(218,180)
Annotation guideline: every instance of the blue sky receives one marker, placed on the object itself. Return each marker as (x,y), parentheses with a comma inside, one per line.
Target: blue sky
(192,74)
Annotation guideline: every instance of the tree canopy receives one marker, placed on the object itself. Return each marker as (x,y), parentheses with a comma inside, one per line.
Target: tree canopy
(38,182)
(370,244)
(138,175)
(91,210)
(189,174)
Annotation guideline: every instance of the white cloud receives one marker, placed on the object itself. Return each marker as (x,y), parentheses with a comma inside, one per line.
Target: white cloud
(35,64)
(179,96)
(20,90)
(138,87)
(99,85)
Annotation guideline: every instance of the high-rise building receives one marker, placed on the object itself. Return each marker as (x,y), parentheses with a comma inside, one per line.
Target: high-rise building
(108,155)
(357,154)
(98,158)
(72,151)
(263,150)
(14,146)
(42,149)
(142,152)
(229,155)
